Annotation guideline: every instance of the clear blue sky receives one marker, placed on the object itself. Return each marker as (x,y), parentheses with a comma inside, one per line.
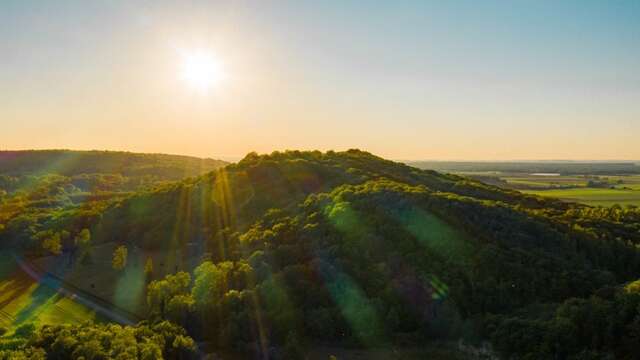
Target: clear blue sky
(405,80)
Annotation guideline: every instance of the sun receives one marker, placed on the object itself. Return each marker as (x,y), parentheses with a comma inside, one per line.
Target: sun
(201,70)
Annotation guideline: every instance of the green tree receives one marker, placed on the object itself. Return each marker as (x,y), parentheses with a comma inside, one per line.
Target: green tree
(148,268)
(149,351)
(91,349)
(160,292)
(206,284)
(183,347)
(83,244)
(53,244)
(179,307)
(119,261)
(162,340)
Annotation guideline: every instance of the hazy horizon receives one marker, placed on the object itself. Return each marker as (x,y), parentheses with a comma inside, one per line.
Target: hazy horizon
(236,158)
(418,80)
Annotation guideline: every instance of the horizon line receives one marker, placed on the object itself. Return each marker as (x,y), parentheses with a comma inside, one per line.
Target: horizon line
(235,158)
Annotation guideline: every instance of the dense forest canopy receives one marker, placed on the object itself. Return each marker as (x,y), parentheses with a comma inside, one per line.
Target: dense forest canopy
(293,249)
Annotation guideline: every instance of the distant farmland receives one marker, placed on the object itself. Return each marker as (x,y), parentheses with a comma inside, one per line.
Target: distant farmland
(596,184)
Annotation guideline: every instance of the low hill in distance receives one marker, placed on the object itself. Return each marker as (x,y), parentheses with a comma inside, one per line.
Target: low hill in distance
(49,178)
(71,163)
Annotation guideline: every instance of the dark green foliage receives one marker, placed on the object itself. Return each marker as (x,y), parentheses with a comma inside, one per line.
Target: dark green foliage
(596,327)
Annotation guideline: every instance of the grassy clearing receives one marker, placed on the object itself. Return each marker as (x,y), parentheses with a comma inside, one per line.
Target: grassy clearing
(23,300)
(593,196)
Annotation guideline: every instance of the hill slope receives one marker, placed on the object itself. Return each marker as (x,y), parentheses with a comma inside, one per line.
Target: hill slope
(350,248)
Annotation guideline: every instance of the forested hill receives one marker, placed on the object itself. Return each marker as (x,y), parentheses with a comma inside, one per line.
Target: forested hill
(70,163)
(234,197)
(301,248)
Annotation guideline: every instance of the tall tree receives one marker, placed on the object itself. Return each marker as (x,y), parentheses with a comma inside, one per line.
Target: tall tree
(119,261)
(53,244)
(161,292)
(148,268)
(83,244)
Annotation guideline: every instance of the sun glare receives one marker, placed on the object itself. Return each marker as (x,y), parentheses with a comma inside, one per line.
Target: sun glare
(201,70)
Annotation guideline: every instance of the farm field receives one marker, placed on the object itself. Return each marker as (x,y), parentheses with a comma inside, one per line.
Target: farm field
(541,181)
(610,189)
(631,181)
(593,196)
(621,190)
(24,300)
(595,184)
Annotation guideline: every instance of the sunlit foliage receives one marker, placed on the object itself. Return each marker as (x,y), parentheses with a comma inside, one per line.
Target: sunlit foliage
(162,340)
(120,255)
(148,267)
